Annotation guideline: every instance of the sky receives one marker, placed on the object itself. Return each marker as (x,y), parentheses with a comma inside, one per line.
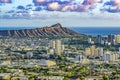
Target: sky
(70,13)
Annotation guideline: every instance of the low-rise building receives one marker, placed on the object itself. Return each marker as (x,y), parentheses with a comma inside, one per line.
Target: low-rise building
(46,63)
(93,78)
(5,76)
(50,77)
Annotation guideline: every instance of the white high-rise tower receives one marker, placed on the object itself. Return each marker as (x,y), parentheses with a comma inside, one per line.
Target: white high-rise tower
(58,47)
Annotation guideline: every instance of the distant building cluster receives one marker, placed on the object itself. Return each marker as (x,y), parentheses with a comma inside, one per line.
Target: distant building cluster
(107,40)
(93,51)
(99,53)
(111,56)
(55,47)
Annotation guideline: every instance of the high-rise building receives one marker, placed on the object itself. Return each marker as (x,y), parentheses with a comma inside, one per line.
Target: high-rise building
(63,47)
(96,54)
(111,39)
(92,50)
(98,39)
(114,42)
(119,50)
(101,51)
(116,56)
(109,56)
(58,47)
(52,44)
(89,40)
(102,42)
(105,41)
(87,51)
(118,39)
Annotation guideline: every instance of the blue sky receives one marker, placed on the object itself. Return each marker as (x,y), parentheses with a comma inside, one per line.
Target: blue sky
(78,13)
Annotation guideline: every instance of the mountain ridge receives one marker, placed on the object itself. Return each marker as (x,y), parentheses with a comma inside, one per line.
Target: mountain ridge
(54,30)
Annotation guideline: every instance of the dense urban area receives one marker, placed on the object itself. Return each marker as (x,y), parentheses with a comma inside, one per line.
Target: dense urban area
(72,58)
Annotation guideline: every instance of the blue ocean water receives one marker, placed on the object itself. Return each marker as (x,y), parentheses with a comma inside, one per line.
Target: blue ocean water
(94,31)
(84,30)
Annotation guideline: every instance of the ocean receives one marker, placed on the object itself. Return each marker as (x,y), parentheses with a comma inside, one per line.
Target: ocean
(94,31)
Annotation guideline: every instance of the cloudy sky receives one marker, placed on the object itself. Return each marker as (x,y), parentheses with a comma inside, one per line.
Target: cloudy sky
(77,13)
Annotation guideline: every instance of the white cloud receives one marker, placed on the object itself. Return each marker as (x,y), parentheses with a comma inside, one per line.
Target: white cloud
(66,19)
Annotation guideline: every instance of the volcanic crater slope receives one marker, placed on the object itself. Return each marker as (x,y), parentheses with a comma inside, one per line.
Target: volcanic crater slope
(54,30)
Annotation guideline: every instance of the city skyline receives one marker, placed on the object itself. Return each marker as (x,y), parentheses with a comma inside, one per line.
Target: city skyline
(70,13)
